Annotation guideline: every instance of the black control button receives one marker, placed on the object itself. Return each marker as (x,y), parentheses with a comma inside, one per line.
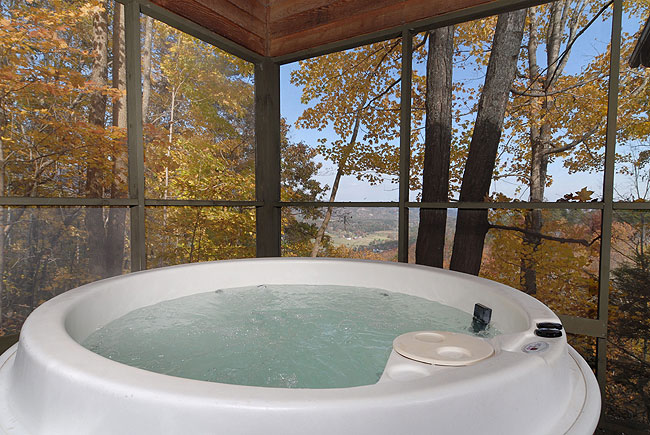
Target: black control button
(548,332)
(549,325)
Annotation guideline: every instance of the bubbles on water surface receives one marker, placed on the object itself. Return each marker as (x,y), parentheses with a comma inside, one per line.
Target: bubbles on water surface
(276,336)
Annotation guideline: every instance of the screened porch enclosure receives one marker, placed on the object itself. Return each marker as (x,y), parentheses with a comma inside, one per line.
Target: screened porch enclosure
(143,134)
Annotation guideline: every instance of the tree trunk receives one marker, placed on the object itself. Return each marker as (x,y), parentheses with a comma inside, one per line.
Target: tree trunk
(337,179)
(115,227)
(430,245)
(96,116)
(170,140)
(343,162)
(318,241)
(541,131)
(472,225)
(147,48)
(533,218)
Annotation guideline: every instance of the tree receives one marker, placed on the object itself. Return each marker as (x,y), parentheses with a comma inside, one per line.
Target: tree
(200,145)
(472,225)
(147,47)
(63,133)
(574,137)
(438,135)
(629,364)
(566,260)
(52,115)
(115,226)
(356,93)
(556,124)
(97,118)
(107,230)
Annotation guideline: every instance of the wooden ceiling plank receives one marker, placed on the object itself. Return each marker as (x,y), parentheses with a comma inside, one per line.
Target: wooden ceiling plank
(211,20)
(333,11)
(200,32)
(256,8)
(278,28)
(281,9)
(365,23)
(242,18)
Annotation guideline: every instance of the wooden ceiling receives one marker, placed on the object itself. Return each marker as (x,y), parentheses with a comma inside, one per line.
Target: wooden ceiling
(281,27)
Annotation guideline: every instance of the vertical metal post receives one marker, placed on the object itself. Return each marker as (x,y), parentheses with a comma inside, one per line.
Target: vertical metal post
(267,157)
(608,195)
(405,147)
(134,127)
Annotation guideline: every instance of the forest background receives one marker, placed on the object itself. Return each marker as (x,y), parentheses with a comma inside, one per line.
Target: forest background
(518,101)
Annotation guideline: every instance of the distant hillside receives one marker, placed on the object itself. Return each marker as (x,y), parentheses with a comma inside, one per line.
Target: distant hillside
(373,228)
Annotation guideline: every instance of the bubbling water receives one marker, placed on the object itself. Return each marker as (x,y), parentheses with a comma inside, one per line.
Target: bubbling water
(288,336)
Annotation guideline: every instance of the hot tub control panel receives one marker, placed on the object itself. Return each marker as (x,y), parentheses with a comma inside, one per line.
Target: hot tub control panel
(549,330)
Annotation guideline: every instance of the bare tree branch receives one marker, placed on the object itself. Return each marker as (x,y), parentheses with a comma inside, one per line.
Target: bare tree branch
(628,353)
(582,242)
(573,144)
(563,58)
(394,83)
(555,92)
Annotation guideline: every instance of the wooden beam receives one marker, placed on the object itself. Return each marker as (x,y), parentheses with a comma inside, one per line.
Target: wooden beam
(267,158)
(135,135)
(604,277)
(405,146)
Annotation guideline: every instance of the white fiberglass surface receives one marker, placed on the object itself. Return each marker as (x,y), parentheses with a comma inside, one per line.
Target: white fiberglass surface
(291,336)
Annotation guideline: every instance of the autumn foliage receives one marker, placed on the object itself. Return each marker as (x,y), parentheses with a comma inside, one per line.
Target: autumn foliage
(63,134)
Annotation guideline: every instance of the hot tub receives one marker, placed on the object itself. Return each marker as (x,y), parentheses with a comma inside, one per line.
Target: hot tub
(50,384)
